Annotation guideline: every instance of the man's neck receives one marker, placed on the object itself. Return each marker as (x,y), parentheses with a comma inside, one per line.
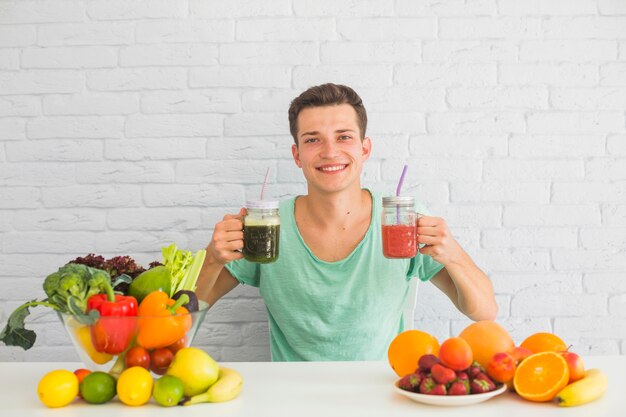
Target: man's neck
(335,210)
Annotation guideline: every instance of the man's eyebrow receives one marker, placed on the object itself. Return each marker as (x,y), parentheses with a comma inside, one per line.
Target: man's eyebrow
(315,132)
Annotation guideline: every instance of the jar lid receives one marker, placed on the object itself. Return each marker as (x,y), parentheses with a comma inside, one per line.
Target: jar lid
(262,204)
(397,201)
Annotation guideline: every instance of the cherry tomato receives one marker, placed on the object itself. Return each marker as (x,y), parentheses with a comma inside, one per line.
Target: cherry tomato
(160,359)
(178,345)
(81,373)
(138,356)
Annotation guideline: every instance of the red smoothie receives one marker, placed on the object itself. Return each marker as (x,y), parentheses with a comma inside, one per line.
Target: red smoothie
(399,241)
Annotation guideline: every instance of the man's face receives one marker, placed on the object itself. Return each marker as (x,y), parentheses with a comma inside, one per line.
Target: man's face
(330,150)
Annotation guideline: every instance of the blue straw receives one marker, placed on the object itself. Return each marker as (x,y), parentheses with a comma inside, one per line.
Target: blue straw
(398,188)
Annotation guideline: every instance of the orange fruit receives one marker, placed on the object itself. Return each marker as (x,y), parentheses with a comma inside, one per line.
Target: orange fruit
(486,338)
(456,353)
(544,342)
(541,376)
(407,348)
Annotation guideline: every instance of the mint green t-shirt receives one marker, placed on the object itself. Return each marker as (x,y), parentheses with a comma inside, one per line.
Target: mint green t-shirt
(333,311)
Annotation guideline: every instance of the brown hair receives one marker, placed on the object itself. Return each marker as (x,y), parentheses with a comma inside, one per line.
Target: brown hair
(326,95)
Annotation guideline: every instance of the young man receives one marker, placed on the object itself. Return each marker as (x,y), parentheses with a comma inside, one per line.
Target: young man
(332,295)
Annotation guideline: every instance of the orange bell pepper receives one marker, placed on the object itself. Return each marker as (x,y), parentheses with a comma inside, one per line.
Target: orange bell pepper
(162,320)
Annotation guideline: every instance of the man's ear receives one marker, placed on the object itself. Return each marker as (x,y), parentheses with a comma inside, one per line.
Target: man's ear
(367,147)
(296,155)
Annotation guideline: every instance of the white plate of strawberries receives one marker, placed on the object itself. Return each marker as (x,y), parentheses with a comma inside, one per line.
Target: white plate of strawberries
(435,384)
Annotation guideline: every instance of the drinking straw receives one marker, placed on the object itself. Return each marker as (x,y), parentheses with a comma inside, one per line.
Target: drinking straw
(267,173)
(401,181)
(398,189)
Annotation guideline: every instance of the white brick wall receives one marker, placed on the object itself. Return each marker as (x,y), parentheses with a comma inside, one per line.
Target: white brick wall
(128,124)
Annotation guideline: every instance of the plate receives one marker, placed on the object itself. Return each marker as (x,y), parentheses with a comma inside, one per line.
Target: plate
(449,400)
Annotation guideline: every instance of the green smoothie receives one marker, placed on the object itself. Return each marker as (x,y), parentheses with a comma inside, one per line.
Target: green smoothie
(260,240)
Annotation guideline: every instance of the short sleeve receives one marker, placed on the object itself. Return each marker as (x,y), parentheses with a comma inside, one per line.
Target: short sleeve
(248,273)
(424,267)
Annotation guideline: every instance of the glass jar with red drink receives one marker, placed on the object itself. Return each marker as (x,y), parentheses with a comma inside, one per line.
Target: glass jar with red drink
(399,227)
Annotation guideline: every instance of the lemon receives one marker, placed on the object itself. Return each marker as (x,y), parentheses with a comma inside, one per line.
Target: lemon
(134,386)
(98,387)
(195,368)
(58,388)
(168,391)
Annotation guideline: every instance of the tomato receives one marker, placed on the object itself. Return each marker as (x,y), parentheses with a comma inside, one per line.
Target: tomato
(178,345)
(138,356)
(160,360)
(81,373)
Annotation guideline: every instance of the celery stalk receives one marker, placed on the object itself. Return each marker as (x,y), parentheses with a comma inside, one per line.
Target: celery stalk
(191,276)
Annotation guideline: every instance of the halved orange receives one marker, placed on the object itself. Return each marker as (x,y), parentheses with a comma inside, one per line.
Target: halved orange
(541,376)
(544,342)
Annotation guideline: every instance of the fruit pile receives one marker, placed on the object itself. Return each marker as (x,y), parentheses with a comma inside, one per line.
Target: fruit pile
(453,372)
(193,377)
(434,378)
(484,356)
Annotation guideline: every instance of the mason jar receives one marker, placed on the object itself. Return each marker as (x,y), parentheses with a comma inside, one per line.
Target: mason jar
(261,231)
(399,227)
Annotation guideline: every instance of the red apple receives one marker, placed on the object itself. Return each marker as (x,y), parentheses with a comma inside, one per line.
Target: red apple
(575,364)
(501,367)
(520,353)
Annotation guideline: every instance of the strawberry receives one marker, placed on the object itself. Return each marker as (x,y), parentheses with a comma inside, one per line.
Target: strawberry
(426,385)
(458,388)
(442,375)
(466,382)
(480,386)
(410,382)
(439,389)
(483,376)
(462,376)
(426,362)
(474,369)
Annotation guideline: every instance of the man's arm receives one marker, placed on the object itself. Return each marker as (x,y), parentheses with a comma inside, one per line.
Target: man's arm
(213,286)
(472,295)
(461,280)
(214,280)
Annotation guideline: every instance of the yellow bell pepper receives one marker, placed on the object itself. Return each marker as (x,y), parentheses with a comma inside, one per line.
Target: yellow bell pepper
(83,336)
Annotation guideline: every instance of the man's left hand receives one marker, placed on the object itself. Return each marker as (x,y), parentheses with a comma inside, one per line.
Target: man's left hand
(440,244)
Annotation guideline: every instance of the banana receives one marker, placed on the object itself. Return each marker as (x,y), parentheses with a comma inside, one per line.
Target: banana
(585,390)
(227,387)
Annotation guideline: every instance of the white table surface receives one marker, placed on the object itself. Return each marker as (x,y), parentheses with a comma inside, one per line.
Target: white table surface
(308,389)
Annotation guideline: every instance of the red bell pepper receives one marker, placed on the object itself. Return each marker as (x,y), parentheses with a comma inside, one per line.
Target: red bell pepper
(115,329)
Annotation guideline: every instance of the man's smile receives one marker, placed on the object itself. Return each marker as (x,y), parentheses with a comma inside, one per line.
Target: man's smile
(332,168)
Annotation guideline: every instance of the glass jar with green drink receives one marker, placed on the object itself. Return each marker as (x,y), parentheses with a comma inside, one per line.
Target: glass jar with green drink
(261,231)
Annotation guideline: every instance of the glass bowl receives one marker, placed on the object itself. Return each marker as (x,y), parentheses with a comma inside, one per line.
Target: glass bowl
(102,343)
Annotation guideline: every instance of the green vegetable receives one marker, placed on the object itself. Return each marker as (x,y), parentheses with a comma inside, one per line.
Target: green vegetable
(158,278)
(184,267)
(68,290)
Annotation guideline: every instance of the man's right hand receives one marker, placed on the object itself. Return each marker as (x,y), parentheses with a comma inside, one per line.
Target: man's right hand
(227,240)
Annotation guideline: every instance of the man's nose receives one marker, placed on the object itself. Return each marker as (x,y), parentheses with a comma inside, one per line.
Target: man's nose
(329,148)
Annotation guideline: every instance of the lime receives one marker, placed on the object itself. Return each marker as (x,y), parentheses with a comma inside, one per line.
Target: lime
(98,387)
(134,386)
(168,391)
(58,388)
